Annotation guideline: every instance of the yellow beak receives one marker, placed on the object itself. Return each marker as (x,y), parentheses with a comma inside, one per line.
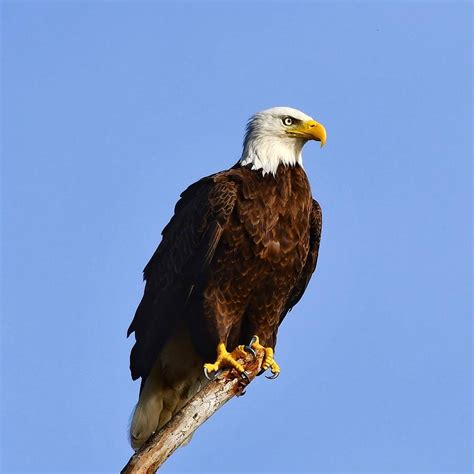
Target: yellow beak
(313,130)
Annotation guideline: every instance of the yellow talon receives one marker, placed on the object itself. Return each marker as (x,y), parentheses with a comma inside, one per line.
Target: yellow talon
(239,352)
(226,360)
(268,360)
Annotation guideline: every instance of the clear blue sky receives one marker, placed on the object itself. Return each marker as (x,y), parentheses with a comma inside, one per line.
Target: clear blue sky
(111,109)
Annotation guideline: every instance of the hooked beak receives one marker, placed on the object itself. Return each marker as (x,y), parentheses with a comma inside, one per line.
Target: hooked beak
(310,130)
(314,131)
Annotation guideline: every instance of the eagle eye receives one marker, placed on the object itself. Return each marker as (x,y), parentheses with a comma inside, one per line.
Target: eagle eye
(288,121)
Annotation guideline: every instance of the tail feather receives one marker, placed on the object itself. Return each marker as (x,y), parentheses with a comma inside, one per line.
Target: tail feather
(176,376)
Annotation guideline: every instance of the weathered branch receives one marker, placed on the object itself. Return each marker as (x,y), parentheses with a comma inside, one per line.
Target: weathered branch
(203,405)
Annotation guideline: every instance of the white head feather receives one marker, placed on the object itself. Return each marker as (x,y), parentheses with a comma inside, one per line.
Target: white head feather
(267,143)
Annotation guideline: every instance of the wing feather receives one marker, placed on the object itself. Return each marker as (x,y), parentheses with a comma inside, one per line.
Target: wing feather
(188,244)
(311,260)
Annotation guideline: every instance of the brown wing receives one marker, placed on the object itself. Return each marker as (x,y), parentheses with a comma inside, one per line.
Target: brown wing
(316,222)
(179,263)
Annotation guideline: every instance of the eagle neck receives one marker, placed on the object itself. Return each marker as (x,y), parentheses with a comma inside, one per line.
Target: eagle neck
(268,153)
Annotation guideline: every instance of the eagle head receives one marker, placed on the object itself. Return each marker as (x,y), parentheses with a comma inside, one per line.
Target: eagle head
(276,136)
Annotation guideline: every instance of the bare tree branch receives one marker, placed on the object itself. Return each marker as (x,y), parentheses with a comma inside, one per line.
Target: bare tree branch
(203,405)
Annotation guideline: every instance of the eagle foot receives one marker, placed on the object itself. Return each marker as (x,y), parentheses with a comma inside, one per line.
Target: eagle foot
(228,360)
(268,360)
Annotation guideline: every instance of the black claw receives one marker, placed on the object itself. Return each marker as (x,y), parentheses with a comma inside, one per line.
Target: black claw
(273,376)
(208,377)
(253,341)
(245,376)
(242,393)
(262,371)
(250,350)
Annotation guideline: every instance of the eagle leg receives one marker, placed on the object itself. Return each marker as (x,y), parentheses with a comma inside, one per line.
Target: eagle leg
(268,360)
(227,359)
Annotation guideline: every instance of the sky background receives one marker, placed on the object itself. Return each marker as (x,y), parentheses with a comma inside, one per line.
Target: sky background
(111,109)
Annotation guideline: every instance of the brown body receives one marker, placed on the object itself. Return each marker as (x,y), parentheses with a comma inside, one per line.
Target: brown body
(234,259)
(260,256)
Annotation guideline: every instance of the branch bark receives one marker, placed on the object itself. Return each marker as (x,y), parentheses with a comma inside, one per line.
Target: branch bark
(203,405)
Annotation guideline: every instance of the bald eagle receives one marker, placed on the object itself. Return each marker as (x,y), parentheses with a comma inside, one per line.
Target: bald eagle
(236,256)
